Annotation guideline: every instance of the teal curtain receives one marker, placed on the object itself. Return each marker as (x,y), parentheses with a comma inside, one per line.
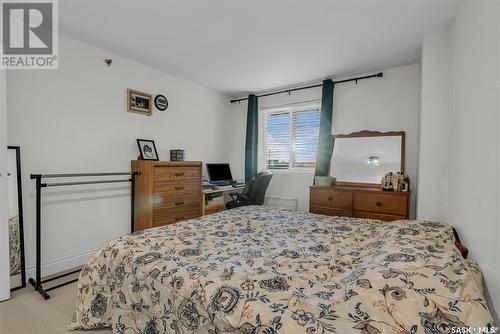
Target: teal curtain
(326,140)
(252,137)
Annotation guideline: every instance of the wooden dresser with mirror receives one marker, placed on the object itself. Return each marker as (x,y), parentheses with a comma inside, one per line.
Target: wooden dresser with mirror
(166,192)
(359,162)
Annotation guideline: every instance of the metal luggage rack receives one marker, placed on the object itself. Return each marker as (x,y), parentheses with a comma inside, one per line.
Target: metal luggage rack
(38,281)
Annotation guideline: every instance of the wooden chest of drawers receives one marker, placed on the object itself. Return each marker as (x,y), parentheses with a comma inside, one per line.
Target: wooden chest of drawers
(166,192)
(361,202)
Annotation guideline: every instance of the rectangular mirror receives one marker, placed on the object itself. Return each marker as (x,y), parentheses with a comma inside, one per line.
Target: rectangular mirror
(365,157)
(16,232)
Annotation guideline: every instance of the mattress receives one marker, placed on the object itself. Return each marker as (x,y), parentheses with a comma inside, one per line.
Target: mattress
(261,270)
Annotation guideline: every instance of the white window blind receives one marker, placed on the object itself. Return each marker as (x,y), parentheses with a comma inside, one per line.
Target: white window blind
(288,136)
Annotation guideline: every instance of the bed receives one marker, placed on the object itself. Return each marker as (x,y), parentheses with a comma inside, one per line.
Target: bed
(261,270)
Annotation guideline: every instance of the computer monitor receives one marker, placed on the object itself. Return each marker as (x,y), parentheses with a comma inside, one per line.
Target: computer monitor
(219,173)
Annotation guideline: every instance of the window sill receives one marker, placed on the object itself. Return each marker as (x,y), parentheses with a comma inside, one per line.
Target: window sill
(292,171)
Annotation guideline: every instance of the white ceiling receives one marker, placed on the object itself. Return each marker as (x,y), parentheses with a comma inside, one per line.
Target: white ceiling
(251,46)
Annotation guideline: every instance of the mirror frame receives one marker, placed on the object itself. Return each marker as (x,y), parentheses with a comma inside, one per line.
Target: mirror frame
(369,133)
(20,214)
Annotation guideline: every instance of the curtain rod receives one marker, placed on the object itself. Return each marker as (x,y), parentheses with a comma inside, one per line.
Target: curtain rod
(378,75)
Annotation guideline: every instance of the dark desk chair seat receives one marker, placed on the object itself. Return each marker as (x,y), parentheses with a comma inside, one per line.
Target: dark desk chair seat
(253,193)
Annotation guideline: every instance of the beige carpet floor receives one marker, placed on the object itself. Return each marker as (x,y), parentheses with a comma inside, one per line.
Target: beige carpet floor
(28,313)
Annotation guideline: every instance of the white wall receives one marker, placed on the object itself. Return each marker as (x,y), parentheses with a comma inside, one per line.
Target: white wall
(471,137)
(474,183)
(391,103)
(434,157)
(74,119)
(4,207)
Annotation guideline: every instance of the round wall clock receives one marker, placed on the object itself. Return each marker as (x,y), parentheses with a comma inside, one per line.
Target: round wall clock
(161,102)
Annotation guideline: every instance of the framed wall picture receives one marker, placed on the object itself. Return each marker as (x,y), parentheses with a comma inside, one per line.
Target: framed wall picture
(147,149)
(139,102)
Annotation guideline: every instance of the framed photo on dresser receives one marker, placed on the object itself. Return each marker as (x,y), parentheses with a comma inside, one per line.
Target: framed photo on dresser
(147,149)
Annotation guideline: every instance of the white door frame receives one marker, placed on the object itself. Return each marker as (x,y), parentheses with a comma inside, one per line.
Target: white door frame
(4,215)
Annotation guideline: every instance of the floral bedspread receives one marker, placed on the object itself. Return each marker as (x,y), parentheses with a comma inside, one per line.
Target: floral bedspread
(261,270)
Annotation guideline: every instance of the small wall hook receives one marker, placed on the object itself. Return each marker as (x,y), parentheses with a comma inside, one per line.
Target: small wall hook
(108,61)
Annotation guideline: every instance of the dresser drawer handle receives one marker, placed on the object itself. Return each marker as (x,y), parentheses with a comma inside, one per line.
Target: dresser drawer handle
(179,174)
(179,202)
(179,187)
(178,218)
(379,204)
(330,198)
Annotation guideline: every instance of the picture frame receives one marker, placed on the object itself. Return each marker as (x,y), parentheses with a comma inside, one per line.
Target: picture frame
(147,149)
(139,102)
(17,263)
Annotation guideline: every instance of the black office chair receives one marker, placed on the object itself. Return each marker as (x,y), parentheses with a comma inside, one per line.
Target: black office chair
(253,193)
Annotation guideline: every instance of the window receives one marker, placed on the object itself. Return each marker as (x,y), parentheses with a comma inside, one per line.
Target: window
(288,136)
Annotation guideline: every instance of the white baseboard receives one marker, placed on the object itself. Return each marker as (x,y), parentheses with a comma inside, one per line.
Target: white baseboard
(62,264)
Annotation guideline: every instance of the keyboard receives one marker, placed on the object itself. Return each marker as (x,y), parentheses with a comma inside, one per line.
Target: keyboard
(221,183)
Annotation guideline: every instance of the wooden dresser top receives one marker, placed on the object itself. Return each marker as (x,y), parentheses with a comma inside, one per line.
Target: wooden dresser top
(160,163)
(365,189)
